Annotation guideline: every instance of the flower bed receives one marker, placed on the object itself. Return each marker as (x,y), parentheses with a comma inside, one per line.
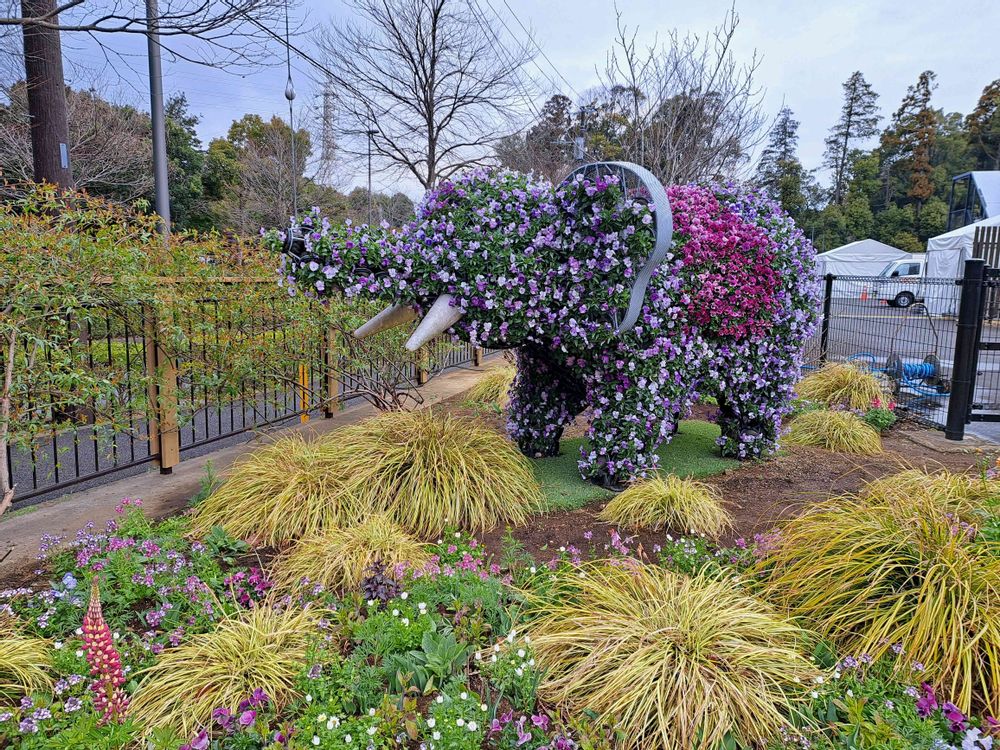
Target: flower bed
(440,656)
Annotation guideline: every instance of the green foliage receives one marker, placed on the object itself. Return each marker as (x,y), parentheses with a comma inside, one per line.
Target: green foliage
(880,418)
(455,721)
(512,670)
(343,686)
(399,628)
(440,659)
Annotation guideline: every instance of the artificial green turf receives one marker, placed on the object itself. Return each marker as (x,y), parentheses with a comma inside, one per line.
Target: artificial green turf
(692,453)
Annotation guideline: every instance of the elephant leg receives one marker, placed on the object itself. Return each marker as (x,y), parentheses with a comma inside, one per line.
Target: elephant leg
(546,396)
(752,402)
(631,419)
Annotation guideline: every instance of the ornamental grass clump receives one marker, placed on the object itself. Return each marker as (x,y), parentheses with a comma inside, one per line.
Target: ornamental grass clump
(837,431)
(427,471)
(905,572)
(24,667)
(845,385)
(280,492)
(670,502)
(674,662)
(493,387)
(339,558)
(965,494)
(259,649)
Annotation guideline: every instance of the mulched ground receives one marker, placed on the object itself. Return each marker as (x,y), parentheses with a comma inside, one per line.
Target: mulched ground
(759,495)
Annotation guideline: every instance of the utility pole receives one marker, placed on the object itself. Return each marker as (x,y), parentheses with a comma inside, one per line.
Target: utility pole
(46,88)
(371,137)
(158,118)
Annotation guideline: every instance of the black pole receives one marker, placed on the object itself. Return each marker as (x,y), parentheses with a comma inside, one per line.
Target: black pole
(966,345)
(824,336)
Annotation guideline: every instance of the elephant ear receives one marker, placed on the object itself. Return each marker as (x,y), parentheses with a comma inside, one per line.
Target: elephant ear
(639,184)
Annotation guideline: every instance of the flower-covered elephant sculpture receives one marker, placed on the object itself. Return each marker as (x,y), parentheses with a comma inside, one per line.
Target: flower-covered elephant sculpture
(503,261)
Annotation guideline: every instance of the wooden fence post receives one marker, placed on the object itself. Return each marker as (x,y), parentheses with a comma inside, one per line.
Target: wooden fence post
(477,356)
(423,374)
(164,432)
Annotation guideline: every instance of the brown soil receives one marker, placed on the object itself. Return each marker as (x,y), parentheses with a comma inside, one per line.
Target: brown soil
(759,495)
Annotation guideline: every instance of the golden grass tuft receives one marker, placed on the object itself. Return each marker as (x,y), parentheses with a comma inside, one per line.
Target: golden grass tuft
(670,502)
(843,384)
(874,571)
(838,431)
(24,667)
(259,648)
(428,471)
(964,494)
(279,492)
(338,558)
(673,662)
(494,386)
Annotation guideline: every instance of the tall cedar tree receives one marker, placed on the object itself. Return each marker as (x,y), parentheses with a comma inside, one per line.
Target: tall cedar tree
(984,127)
(912,134)
(779,170)
(858,121)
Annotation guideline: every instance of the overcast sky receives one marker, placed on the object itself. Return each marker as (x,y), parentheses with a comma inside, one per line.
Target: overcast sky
(808,49)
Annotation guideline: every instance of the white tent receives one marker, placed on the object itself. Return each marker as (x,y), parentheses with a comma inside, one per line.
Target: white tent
(946,256)
(861,258)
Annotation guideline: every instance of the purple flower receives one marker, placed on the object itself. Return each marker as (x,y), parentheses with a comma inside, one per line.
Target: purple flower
(956,719)
(248,717)
(200,742)
(927,703)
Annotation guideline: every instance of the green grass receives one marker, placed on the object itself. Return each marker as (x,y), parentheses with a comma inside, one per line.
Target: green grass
(692,453)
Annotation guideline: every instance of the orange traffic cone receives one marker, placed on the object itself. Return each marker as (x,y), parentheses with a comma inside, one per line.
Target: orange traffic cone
(864,294)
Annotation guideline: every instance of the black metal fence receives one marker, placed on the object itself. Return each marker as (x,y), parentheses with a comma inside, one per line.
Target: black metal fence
(910,333)
(308,377)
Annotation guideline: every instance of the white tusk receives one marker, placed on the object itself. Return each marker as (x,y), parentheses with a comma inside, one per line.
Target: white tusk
(438,319)
(390,317)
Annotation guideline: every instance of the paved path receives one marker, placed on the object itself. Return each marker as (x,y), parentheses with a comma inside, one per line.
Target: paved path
(164,495)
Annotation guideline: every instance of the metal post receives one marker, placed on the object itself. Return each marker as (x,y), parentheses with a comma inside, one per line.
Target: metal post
(824,336)
(156,114)
(371,136)
(966,349)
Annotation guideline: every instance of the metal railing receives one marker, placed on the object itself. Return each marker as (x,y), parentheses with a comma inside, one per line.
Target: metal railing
(173,405)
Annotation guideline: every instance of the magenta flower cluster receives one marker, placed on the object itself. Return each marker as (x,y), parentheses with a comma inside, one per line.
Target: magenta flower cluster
(549,271)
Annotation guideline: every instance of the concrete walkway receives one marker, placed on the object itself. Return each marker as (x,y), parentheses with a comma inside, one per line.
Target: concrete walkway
(163,495)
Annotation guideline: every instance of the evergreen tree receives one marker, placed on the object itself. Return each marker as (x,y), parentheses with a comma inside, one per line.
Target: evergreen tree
(186,162)
(779,170)
(858,121)
(911,136)
(984,127)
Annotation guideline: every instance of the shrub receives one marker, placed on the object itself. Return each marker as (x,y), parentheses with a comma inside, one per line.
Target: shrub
(339,558)
(428,472)
(24,664)
(838,431)
(875,572)
(670,502)
(676,662)
(842,384)
(280,492)
(492,388)
(259,649)
(880,418)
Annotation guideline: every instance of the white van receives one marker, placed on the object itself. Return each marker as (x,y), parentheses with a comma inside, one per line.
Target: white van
(900,283)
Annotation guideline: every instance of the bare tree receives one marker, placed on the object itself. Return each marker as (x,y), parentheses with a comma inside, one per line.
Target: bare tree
(109,143)
(685,109)
(423,75)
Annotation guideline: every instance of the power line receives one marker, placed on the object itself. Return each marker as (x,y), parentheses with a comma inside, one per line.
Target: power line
(531,39)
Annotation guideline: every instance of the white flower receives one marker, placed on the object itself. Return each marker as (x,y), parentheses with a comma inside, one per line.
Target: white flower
(395,613)
(482,707)
(431,722)
(527,638)
(458,534)
(464,696)
(330,724)
(479,656)
(496,647)
(79,653)
(371,711)
(460,722)
(814,694)
(321,718)
(533,569)
(309,698)
(436,735)
(79,631)
(404,596)
(371,731)
(473,726)
(405,621)
(347,739)
(57,645)
(315,739)
(440,699)
(818,679)
(520,653)
(493,658)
